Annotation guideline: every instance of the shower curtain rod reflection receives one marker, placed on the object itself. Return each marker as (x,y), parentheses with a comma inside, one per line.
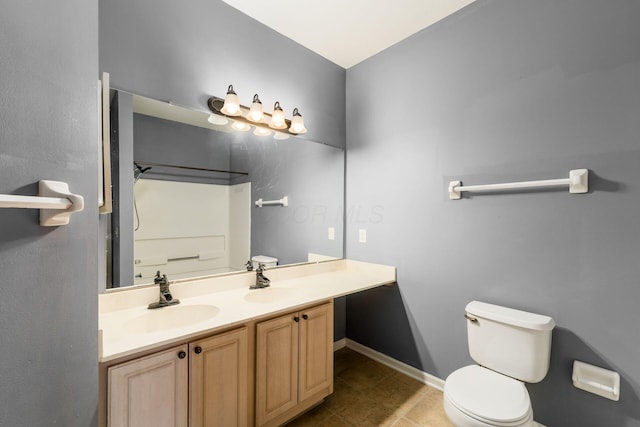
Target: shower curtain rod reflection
(188,167)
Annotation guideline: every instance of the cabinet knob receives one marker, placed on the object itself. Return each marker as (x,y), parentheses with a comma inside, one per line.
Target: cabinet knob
(198,350)
(182,355)
(305,317)
(296,319)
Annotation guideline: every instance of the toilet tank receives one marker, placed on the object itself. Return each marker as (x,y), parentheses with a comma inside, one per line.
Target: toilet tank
(267,261)
(512,342)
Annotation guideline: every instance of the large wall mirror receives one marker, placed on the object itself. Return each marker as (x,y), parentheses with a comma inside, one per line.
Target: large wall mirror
(185,190)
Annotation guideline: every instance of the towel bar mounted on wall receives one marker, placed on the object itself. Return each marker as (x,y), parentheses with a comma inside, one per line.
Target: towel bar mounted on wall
(283,202)
(54,200)
(578,182)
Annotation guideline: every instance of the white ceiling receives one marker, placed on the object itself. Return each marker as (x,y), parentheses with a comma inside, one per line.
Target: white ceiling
(347,31)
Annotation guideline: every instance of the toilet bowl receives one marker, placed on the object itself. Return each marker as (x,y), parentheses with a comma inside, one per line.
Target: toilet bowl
(479,397)
(511,347)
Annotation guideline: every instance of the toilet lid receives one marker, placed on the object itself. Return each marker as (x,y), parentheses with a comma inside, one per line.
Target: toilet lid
(485,394)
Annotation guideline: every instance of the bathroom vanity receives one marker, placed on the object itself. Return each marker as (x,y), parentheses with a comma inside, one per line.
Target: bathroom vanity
(226,355)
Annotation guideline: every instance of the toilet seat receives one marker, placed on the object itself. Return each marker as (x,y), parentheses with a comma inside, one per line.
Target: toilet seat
(488,397)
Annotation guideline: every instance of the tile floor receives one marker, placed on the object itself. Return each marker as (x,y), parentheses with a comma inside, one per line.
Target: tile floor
(367,393)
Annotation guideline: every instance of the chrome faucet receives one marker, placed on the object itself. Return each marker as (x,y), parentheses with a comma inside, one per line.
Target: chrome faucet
(165,296)
(261,280)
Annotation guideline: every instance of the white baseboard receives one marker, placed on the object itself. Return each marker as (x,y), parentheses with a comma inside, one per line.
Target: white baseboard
(337,345)
(410,371)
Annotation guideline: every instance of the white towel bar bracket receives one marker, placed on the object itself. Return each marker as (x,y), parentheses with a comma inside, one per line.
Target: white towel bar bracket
(282,202)
(55,201)
(578,182)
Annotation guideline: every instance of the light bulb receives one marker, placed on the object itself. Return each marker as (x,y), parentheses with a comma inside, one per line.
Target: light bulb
(217,120)
(231,105)
(242,127)
(260,131)
(255,113)
(297,123)
(280,136)
(277,119)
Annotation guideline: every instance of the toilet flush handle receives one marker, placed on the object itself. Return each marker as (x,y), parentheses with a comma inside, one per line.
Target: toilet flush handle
(471,319)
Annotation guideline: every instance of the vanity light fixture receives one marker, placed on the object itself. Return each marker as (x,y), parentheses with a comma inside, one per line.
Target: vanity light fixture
(255,113)
(241,126)
(281,136)
(214,119)
(260,131)
(231,105)
(277,119)
(297,124)
(245,117)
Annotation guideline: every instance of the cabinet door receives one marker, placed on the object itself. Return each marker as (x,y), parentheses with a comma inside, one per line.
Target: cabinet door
(218,380)
(316,350)
(150,391)
(276,367)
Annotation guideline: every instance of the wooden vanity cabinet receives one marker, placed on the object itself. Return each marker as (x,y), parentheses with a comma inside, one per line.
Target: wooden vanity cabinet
(150,391)
(294,363)
(212,382)
(202,383)
(218,380)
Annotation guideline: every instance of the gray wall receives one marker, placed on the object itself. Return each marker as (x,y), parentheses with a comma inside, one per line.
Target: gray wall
(48,292)
(312,176)
(186,52)
(504,91)
(167,142)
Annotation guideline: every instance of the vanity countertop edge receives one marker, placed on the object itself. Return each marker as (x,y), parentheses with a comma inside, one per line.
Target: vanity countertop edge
(303,284)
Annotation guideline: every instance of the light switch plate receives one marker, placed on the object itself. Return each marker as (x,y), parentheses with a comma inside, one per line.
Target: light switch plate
(332,233)
(362,235)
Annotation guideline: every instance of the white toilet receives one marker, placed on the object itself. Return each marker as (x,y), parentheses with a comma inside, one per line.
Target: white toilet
(268,261)
(511,347)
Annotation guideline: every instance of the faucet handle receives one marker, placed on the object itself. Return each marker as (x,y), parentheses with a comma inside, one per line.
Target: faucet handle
(249,265)
(165,297)
(160,280)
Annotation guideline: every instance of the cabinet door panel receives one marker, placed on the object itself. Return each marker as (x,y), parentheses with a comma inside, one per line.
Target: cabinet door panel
(150,391)
(218,380)
(316,350)
(276,367)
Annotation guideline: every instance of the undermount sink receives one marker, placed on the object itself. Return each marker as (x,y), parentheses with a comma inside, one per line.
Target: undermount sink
(270,295)
(172,317)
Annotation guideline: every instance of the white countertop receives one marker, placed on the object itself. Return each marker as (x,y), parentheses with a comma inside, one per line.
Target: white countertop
(229,299)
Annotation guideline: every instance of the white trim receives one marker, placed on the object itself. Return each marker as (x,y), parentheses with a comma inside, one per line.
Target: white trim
(105,193)
(337,345)
(401,367)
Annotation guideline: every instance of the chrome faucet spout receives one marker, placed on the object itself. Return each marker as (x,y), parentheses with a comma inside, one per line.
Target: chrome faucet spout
(261,280)
(165,299)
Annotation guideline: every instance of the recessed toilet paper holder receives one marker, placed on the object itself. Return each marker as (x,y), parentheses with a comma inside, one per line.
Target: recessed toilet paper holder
(593,379)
